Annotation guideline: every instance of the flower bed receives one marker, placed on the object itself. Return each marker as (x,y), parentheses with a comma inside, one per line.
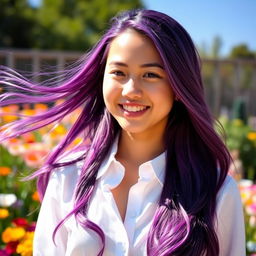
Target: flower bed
(19,201)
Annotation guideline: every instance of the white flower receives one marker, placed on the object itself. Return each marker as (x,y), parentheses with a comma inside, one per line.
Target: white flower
(7,200)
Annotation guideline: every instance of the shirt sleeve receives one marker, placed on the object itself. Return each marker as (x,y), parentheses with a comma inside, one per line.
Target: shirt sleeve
(230,220)
(49,216)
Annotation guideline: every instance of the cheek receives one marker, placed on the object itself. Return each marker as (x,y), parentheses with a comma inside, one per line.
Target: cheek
(164,97)
(109,92)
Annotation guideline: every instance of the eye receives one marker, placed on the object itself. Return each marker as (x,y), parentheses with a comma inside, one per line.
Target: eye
(151,75)
(117,73)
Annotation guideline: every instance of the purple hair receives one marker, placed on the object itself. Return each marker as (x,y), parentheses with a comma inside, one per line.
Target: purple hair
(197,160)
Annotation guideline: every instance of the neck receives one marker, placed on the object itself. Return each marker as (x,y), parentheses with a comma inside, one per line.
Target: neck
(137,149)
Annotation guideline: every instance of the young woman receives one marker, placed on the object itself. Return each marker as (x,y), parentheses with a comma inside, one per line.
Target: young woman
(153,179)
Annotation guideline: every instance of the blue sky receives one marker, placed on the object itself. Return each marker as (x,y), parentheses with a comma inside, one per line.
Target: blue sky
(233,20)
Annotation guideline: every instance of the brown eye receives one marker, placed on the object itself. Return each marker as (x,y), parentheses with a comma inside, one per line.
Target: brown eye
(151,75)
(118,73)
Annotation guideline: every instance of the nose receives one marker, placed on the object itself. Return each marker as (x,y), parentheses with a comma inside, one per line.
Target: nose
(131,89)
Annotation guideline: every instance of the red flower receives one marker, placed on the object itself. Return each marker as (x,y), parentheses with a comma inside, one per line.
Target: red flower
(20,222)
(10,248)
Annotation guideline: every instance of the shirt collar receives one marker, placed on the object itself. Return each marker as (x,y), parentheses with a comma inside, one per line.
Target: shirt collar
(148,170)
(154,168)
(109,158)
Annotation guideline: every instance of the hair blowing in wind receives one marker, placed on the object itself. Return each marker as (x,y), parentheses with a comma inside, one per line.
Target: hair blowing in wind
(197,160)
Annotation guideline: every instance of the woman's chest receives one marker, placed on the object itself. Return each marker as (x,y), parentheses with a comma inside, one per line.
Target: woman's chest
(122,238)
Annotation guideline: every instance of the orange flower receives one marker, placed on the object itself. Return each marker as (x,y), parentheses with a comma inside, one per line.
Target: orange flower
(29,137)
(13,141)
(10,109)
(4,213)
(12,234)
(35,196)
(9,113)
(40,107)
(4,171)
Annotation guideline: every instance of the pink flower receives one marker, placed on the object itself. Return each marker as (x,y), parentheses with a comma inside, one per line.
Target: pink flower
(251,209)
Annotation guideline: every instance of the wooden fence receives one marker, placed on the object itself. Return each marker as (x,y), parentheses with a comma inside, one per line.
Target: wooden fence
(226,80)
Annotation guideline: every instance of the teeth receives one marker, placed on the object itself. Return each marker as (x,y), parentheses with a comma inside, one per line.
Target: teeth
(133,108)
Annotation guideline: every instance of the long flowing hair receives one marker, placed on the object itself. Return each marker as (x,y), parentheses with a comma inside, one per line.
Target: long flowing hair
(197,160)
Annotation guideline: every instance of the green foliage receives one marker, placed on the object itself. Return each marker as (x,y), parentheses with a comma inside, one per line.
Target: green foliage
(16,24)
(59,24)
(243,52)
(239,110)
(216,46)
(24,206)
(241,137)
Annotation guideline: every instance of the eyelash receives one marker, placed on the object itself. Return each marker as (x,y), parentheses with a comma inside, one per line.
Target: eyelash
(146,75)
(118,73)
(152,75)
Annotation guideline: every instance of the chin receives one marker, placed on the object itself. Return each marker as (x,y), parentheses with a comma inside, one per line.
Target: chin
(133,130)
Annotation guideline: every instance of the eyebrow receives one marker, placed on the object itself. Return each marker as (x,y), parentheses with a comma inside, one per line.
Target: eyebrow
(146,65)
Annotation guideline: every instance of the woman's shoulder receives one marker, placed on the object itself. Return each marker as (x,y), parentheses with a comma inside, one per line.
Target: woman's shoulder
(228,194)
(229,186)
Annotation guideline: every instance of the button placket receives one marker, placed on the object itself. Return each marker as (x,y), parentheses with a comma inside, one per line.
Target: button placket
(135,198)
(114,178)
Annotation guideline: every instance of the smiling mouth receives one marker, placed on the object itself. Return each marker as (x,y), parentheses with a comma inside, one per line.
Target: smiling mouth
(133,109)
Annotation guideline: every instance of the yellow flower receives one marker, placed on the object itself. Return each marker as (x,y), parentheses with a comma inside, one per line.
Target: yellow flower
(4,213)
(237,122)
(4,171)
(40,106)
(77,141)
(251,135)
(9,118)
(28,112)
(25,247)
(60,129)
(12,234)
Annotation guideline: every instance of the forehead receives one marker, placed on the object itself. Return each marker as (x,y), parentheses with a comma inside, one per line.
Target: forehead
(132,45)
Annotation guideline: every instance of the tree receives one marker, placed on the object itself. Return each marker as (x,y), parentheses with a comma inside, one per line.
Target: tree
(242,51)
(58,24)
(212,50)
(216,47)
(16,24)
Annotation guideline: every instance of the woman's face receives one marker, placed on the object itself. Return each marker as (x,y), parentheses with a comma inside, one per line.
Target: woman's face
(136,89)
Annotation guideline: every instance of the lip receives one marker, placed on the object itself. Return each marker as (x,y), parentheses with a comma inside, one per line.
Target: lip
(127,113)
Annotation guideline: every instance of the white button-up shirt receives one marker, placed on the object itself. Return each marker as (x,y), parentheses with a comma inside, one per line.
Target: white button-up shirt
(128,237)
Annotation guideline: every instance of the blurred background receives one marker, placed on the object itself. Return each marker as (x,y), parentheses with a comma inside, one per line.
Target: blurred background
(38,34)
